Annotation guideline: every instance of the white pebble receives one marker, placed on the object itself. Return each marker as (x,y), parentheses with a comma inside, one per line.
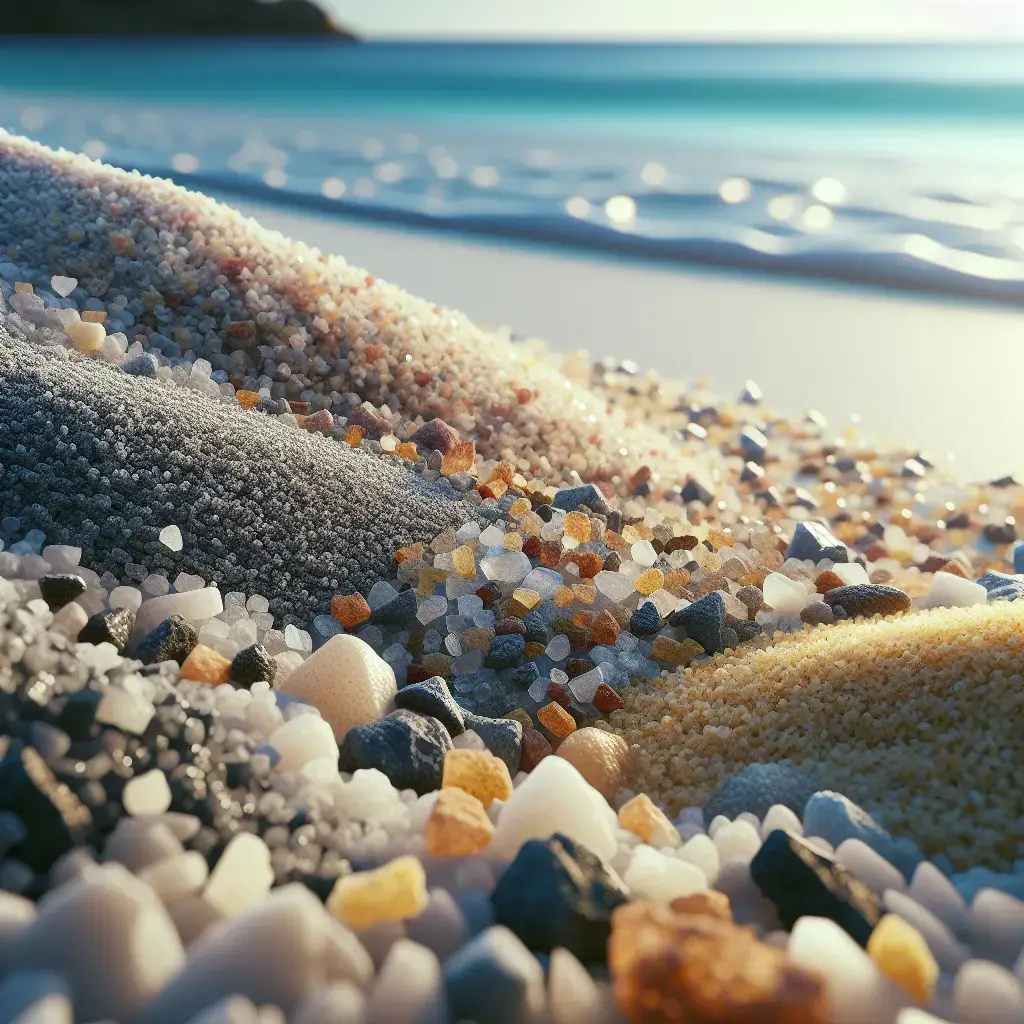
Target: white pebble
(147,794)
(63,286)
(653,875)
(243,876)
(125,597)
(303,739)
(170,537)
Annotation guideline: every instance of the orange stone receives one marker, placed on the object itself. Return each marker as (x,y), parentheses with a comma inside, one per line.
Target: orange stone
(519,508)
(505,472)
(478,773)
(458,825)
(354,436)
(584,594)
(753,579)
(583,619)
(589,562)
(412,551)
(556,720)
(605,630)
(94,316)
(550,554)
(407,450)
(526,599)
(206,666)
(710,903)
(534,650)
(493,489)
(460,459)
(576,525)
(645,819)
(675,581)
(350,609)
(247,399)
(673,968)
(826,581)
(719,538)
(300,421)
(564,597)
(615,541)
(429,579)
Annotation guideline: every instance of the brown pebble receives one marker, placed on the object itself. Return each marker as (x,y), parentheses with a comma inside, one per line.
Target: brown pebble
(535,749)
(711,903)
(826,581)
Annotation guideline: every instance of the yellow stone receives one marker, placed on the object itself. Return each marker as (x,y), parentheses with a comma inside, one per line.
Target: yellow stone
(24,287)
(84,336)
(577,526)
(564,597)
(460,459)
(649,581)
(645,819)
(672,653)
(407,450)
(429,578)
(557,720)
(94,316)
(354,436)
(902,955)
(519,507)
(583,593)
(396,891)
(534,650)
(206,666)
(247,399)
(513,542)
(458,825)
(529,599)
(719,538)
(465,562)
(478,773)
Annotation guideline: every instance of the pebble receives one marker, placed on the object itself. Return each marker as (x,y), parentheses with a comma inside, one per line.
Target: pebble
(432,697)
(408,748)
(814,542)
(556,893)
(458,825)
(903,957)
(601,757)
(109,627)
(59,589)
(503,737)
(173,640)
(802,882)
(250,665)
(867,599)
(478,773)
(644,819)
(347,682)
(704,621)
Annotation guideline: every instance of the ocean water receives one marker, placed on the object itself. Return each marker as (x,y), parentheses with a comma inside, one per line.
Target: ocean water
(900,167)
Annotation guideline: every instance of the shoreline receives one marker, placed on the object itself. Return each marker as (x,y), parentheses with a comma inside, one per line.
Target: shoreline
(695,323)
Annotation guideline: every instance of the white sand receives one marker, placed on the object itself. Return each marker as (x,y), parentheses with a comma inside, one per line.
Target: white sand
(917,370)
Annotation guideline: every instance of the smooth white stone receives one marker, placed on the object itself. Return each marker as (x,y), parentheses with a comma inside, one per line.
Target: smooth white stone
(138,843)
(573,995)
(71,620)
(717,822)
(858,992)
(652,875)
(493,536)
(738,840)
(643,553)
(468,740)
(125,711)
(409,988)
(302,740)
(340,1003)
(147,794)
(914,1015)
(347,681)
(109,937)
(952,591)
(242,877)
(869,867)
(176,877)
(985,993)
(779,816)
(614,586)
(125,597)
(996,922)
(948,952)
(935,892)
(543,581)
(556,798)
(851,573)
(62,557)
(170,537)
(283,951)
(194,605)
(785,596)
(701,852)
(63,286)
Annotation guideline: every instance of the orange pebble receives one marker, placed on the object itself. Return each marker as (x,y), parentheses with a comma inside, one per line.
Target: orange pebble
(205,665)
(465,562)
(407,450)
(584,594)
(350,609)
(460,459)
(519,507)
(354,436)
(478,773)
(412,551)
(556,720)
(576,526)
(458,825)
(247,399)
(564,597)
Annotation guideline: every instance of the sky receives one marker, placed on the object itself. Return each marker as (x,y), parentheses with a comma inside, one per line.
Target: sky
(904,20)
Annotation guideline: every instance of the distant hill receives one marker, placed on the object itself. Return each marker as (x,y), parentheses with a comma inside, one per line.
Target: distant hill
(167,18)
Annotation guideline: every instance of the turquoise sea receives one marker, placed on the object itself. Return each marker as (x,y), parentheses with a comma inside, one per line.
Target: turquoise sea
(901,167)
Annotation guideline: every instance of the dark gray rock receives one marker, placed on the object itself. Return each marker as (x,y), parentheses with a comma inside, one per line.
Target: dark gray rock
(704,621)
(432,697)
(172,640)
(250,665)
(59,589)
(109,627)
(503,737)
(815,542)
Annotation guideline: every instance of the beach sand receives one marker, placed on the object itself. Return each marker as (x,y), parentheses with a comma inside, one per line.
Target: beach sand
(917,370)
